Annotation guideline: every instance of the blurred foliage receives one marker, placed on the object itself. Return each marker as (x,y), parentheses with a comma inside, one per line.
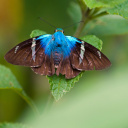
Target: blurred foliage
(8,81)
(98,103)
(11,125)
(120,9)
(107,26)
(99,99)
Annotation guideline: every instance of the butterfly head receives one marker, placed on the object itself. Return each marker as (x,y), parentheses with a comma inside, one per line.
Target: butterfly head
(59,30)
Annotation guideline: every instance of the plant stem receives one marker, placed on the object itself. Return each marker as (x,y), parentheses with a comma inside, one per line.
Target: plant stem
(81,27)
(87,15)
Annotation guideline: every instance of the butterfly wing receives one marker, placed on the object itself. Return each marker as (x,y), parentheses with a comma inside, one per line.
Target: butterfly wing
(47,67)
(68,54)
(65,68)
(83,56)
(86,57)
(28,53)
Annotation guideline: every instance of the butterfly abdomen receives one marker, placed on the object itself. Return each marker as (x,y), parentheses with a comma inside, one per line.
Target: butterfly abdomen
(57,57)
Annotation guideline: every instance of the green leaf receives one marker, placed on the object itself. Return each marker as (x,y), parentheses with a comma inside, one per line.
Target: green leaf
(93,40)
(8,81)
(60,86)
(95,3)
(37,32)
(107,25)
(102,3)
(11,125)
(120,9)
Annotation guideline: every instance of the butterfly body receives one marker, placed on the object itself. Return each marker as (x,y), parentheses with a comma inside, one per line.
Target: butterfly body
(57,54)
(57,42)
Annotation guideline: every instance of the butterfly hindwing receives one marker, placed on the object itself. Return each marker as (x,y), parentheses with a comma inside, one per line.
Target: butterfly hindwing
(28,53)
(86,57)
(47,67)
(65,68)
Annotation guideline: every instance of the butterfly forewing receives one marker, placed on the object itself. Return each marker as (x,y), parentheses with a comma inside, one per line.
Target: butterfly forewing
(26,53)
(92,58)
(99,59)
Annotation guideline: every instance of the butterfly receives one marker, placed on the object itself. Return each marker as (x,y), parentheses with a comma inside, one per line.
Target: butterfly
(57,54)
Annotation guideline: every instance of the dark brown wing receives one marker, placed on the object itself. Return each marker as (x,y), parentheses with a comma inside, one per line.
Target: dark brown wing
(47,67)
(93,59)
(65,68)
(22,54)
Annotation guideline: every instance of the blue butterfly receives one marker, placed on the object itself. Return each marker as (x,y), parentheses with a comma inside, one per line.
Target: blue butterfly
(57,54)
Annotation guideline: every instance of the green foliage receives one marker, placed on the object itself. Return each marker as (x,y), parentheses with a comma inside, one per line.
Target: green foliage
(120,9)
(8,81)
(98,102)
(95,3)
(37,32)
(107,25)
(11,125)
(60,86)
(115,7)
(102,3)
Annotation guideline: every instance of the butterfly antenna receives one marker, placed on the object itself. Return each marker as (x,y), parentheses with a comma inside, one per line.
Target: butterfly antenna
(72,24)
(47,22)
